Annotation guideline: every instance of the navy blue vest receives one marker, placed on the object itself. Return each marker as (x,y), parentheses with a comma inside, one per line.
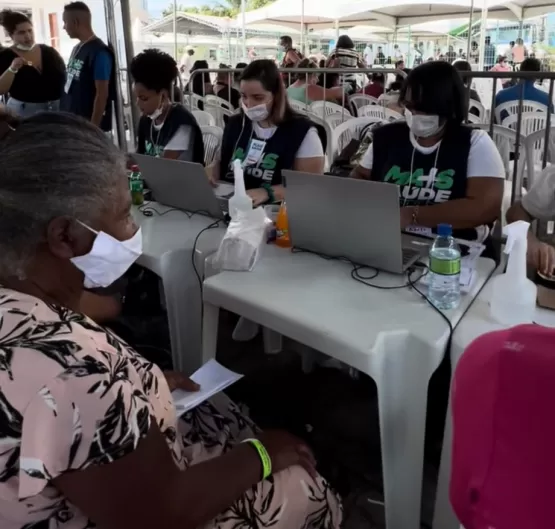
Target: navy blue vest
(279,153)
(82,91)
(178,116)
(392,157)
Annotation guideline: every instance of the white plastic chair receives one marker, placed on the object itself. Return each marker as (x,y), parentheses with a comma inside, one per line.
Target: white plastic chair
(534,145)
(204,119)
(345,132)
(373,111)
(473,104)
(531,122)
(513,107)
(393,115)
(361,100)
(191,101)
(325,108)
(505,140)
(218,101)
(329,137)
(473,118)
(298,106)
(212,138)
(218,113)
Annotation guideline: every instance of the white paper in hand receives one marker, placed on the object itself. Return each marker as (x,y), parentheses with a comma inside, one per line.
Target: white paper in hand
(212,378)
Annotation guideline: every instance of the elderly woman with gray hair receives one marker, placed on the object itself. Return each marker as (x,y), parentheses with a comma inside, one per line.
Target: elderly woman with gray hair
(89,433)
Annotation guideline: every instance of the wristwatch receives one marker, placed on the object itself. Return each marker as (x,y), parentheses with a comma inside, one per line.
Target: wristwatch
(11,70)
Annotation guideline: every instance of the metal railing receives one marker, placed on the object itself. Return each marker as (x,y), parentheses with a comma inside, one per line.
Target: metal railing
(518,154)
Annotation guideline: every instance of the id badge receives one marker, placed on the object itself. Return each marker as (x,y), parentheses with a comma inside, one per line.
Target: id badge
(69,80)
(256,148)
(419,230)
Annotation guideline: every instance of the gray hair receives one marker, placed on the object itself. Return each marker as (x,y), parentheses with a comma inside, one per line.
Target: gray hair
(52,165)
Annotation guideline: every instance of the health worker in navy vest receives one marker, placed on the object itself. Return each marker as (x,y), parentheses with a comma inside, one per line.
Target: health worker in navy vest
(447,171)
(32,74)
(165,129)
(90,84)
(267,136)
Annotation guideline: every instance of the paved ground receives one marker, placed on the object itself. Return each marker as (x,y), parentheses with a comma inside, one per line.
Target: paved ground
(334,413)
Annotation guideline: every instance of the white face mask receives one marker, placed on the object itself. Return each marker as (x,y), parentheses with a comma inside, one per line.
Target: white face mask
(22,47)
(156,114)
(257,113)
(422,125)
(108,259)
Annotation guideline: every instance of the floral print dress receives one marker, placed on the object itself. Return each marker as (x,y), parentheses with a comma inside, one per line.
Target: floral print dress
(73,395)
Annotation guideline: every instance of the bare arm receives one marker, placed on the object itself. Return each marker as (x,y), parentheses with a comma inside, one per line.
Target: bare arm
(100,101)
(146,489)
(309,165)
(6,81)
(481,205)
(172,155)
(540,255)
(317,93)
(361,173)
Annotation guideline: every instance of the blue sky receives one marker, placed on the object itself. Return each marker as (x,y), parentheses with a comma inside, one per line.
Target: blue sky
(155,7)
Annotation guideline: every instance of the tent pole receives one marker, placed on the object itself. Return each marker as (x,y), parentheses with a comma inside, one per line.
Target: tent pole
(483,30)
(409,47)
(302,27)
(470,22)
(243,23)
(118,103)
(175,30)
(336,32)
(129,54)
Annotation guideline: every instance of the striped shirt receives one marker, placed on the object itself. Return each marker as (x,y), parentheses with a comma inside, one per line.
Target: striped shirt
(347,59)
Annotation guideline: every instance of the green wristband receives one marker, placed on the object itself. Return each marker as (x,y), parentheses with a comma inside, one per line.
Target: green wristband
(264,457)
(270,191)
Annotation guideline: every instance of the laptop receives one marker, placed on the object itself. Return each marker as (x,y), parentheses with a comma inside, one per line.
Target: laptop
(183,185)
(355,219)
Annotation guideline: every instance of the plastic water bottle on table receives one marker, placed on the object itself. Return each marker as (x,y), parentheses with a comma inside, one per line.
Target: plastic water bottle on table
(444,288)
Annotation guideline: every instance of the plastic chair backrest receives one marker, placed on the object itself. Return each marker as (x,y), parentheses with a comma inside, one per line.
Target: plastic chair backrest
(393,115)
(204,119)
(360,100)
(505,140)
(531,122)
(373,111)
(346,131)
(298,106)
(325,108)
(218,101)
(218,113)
(329,137)
(472,103)
(534,145)
(512,107)
(473,118)
(212,138)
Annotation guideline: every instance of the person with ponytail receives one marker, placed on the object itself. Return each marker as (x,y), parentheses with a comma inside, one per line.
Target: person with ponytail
(31,74)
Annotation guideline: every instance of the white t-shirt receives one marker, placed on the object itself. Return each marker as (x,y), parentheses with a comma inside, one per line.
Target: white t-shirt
(483,159)
(311,146)
(540,199)
(180,141)
(368,56)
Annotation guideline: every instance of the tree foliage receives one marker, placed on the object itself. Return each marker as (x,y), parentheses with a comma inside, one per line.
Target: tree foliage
(229,8)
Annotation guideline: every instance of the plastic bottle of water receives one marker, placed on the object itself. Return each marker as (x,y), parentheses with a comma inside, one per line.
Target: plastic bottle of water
(444,289)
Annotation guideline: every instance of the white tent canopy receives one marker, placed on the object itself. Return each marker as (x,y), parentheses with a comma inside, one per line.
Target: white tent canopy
(316,14)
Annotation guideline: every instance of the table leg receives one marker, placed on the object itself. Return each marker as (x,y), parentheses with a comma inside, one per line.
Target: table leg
(210,321)
(444,517)
(402,396)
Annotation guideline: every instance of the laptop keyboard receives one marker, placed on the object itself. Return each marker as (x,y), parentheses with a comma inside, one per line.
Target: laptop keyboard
(409,254)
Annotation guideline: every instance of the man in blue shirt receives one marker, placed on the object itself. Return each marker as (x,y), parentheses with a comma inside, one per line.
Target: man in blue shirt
(90,72)
(530,92)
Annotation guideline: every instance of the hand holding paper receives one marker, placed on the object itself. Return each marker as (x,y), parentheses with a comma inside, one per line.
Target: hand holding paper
(212,378)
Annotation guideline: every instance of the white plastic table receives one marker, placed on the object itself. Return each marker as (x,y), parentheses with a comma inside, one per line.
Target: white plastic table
(476,321)
(168,241)
(392,335)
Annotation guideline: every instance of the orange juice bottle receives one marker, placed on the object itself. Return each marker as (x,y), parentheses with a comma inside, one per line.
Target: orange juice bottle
(282,228)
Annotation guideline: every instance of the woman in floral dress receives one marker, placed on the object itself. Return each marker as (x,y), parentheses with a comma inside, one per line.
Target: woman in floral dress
(88,432)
